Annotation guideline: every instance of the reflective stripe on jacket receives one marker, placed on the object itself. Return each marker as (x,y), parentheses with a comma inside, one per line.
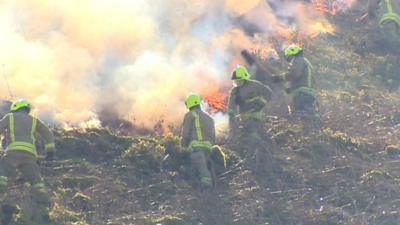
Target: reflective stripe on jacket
(14,144)
(249,98)
(199,133)
(198,129)
(300,76)
(252,115)
(21,130)
(391,15)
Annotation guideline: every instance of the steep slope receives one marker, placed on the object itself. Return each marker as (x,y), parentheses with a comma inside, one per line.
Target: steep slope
(343,169)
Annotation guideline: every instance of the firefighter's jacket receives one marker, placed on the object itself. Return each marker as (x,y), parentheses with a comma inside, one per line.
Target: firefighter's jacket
(385,10)
(249,99)
(22,130)
(198,129)
(300,75)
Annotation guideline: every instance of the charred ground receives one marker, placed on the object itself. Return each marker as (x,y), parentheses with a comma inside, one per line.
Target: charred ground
(343,169)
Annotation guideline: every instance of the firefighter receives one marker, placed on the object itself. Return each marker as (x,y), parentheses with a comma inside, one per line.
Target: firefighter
(247,99)
(21,131)
(198,135)
(385,14)
(301,81)
(246,105)
(384,39)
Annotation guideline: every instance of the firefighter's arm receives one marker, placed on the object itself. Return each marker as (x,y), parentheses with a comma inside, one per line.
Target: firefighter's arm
(186,130)
(4,122)
(264,94)
(46,135)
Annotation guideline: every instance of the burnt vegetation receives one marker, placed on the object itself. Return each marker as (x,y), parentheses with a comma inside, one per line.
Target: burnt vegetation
(343,169)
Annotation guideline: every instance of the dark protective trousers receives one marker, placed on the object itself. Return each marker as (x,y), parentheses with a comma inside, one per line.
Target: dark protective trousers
(304,102)
(15,161)
(21,161)
(199,159)
(253,143)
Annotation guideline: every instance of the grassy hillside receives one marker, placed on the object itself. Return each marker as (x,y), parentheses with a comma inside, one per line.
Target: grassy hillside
(343,169)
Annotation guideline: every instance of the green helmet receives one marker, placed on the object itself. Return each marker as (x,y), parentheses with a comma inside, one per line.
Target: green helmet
(192,100)
(292,50)
(240,73)
(19,104)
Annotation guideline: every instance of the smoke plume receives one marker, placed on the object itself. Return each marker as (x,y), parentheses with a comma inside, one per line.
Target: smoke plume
(137,59)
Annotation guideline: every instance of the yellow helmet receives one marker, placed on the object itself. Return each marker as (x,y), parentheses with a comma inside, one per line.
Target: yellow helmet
(240,73)
(292,50)
(19,104)
(192,100)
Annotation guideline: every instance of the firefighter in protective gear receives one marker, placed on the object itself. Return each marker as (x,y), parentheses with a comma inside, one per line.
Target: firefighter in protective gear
(248,98)
(198,134)
(21,131)
(386,13)
(246,105)
(301,81)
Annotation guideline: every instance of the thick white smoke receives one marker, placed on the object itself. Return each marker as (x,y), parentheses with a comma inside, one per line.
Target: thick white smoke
(138,59)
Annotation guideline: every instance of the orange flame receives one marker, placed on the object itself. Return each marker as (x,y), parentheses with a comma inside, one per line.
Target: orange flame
(325,6)
(321,27)
(215,98)
(161,128)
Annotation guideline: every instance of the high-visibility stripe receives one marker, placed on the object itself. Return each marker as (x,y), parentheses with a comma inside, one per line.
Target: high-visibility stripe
(252,115)
(390,15)
(389,6)
(25,146)
(257,98)
(309,73)
(22,145)
(50,145)
(197,125)
(199,142)
(12,132)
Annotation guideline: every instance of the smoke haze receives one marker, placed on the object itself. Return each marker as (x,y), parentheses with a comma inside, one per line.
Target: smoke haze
(138,59)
